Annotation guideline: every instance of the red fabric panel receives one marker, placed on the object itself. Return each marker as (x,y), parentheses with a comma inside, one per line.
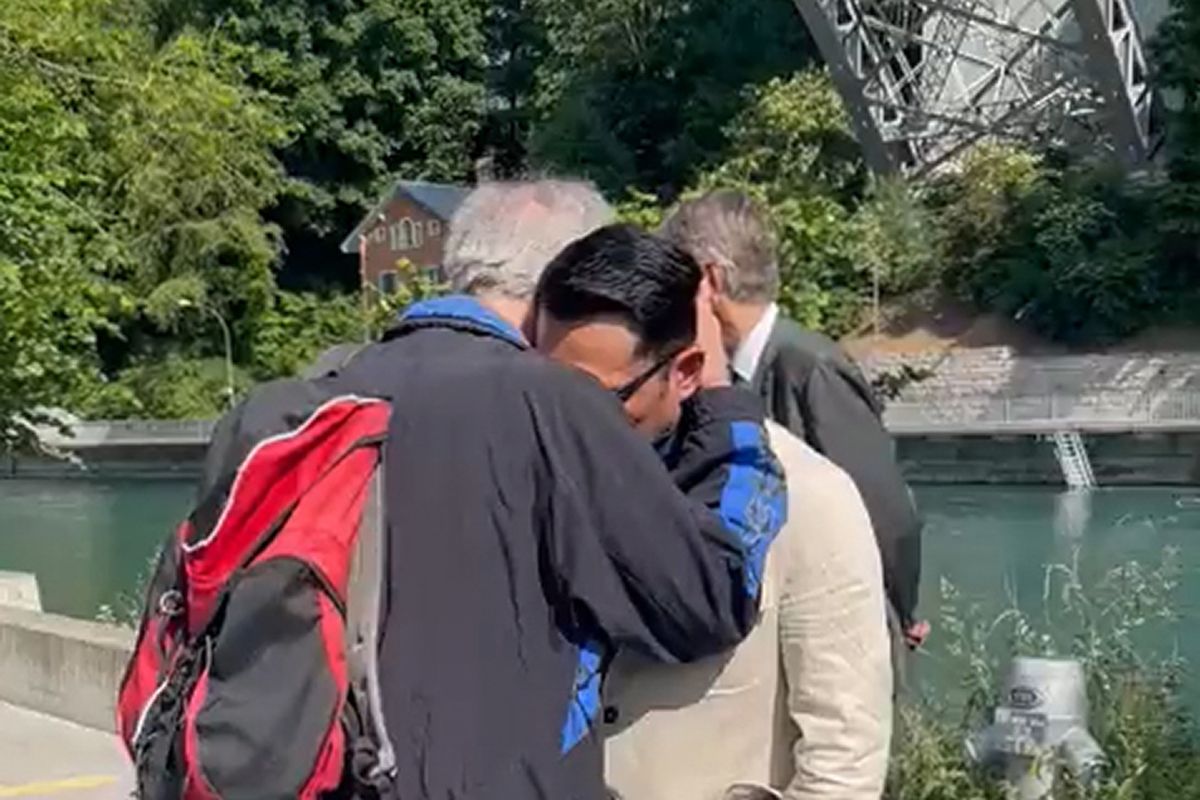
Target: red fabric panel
(155,646)
(141,679)
(324,526)
(327,772)
(275,474)
(195,785)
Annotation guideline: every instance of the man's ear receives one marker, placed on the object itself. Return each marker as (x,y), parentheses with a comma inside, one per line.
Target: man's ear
(715,278)
(529,327)
(689,371)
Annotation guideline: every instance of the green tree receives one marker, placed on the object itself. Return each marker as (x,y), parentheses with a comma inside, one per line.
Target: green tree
(638,93)
(976,205)
(791,148)
(375,89)
(793,139)
(128,165)
(53,247)
(300,325)
(1177,55)
(1072,249)
(516,48)
(897,243)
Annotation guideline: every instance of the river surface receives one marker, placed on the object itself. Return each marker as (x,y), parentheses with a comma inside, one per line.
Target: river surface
(90,542)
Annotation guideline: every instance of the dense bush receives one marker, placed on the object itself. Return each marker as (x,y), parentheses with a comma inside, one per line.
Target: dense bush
(173,387)
(1072,249)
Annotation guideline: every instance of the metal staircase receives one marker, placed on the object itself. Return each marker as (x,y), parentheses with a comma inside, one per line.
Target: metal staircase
(1073,460)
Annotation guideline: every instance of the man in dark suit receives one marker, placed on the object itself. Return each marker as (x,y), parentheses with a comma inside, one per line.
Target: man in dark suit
(809,384)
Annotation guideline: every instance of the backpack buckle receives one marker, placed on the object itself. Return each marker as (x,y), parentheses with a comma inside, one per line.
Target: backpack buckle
(170,604)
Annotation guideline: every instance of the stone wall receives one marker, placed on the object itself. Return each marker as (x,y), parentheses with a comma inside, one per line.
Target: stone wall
(965,384)
(116,461)
(67,668)
(20,590)
(1117,459)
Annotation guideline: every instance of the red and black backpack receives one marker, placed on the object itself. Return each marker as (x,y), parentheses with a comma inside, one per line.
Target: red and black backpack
(255,673)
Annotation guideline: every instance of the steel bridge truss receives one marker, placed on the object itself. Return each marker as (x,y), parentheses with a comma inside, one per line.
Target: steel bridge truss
(925,79)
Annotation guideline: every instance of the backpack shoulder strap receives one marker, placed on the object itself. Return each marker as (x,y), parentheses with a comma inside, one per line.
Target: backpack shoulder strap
(362,627)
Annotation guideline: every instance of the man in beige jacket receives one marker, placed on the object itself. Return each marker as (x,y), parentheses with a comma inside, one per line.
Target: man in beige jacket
(804,705)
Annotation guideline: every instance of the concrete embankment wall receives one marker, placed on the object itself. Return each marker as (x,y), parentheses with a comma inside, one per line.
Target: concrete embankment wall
(120,461)
(1171,458)
(63,667)
(1127,459)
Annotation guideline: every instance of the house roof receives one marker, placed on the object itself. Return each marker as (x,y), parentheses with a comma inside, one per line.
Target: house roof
(439,199)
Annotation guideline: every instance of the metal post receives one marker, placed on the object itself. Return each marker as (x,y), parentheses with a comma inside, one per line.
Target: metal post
(875,292)
(230,392)
(362,287)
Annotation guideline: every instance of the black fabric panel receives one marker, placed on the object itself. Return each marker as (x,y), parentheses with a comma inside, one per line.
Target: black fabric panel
(271,697)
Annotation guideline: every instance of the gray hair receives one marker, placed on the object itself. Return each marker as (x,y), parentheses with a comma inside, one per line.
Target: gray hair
(505,234)
(728,229)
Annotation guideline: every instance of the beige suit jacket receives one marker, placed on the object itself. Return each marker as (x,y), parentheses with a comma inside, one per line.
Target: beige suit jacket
(804,704)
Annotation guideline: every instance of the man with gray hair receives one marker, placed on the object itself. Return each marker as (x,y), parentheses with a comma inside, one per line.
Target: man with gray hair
(504,234)
(530,533)
(809,384)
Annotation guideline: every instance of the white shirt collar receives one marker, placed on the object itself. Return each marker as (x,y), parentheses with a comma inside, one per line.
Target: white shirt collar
(745,359)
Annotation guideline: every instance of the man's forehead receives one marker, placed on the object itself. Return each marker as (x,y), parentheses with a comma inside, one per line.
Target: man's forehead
(601,337)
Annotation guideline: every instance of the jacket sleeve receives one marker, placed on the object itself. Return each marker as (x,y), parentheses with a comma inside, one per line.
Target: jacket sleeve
(675,577)
(835,648)
(842,423)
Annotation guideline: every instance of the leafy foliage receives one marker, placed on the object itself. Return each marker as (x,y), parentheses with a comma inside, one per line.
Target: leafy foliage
(373,88)
(173,387)
(125,164)
(1073,248)
(639,92)
(160,159)
(1177,51)
(301,325)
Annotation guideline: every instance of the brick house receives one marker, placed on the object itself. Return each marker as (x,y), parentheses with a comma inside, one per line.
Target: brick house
(408,223)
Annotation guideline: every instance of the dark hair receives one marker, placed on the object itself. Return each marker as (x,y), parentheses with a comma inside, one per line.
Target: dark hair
(624,272)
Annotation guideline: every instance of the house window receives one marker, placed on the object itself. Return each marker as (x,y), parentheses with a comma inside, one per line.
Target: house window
(433,227)
(405,235)
(387,282)
(378,234)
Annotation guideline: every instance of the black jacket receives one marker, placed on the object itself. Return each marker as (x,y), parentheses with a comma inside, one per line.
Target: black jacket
(815,391)
(531,533)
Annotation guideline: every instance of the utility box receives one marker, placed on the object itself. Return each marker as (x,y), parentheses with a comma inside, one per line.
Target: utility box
(1040,728)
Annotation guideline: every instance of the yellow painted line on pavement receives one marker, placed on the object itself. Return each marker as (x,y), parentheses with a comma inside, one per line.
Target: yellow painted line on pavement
(57,787)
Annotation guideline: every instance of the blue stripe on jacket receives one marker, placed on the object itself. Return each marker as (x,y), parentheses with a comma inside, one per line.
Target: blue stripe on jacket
(754,500)
(584,705)
(462,308)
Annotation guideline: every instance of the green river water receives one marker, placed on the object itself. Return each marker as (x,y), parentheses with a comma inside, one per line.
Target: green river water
(89,541)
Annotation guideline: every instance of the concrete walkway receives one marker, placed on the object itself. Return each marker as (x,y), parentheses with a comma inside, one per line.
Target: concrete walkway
(42,756)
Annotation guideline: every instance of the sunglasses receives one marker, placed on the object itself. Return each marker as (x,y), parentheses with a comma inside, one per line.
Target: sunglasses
(630,388)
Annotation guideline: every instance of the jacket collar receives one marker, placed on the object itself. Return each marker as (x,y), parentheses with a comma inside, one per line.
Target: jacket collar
(459,312)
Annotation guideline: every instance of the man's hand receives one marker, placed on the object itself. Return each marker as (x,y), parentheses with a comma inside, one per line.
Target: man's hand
(916,634)
(708,339)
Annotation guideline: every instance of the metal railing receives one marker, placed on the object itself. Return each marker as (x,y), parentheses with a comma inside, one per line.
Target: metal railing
(1100,408)
(127,432)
